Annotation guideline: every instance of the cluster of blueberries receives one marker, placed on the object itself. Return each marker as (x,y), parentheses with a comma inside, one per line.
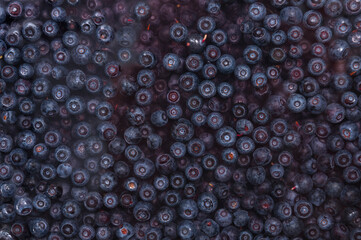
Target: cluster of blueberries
(180,119)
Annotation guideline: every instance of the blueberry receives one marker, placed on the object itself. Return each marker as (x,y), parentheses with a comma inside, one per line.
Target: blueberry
(38,227)
(257,11)
(212,53)
(207,202)
(219,37)
(316,66)
(144,168)
(339,50)
(171,62)
(273,227)
(333,8)
(23,206)
(70,39)
(252,54)
(242,72)
(6,143)
(207,89)
(325,221)
(296,103)
(187,209)
(195,42)
(256,175)
(69,228)
(209,71)
(291,15)
(279,37)
(245,235)
(186,230)
(104,33)
(178,32)
(159,118)
(292,226)
(342,27)
(226,136)
(348,131)
(58,14)
(245,145)
(226,64)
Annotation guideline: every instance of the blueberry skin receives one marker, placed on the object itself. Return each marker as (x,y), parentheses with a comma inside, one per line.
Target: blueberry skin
(273,227)
(23,206)
(219,37)
(272,22)
(6,143)
(171,62)
(154,141)
(50,28)
(213,7)
(70,39)
(196,43)
(64,170)
(256,175)
(226,136)
(75,79)
(144,168)
(292,226)
(108,181)
(212,53)
(226,64)
(210,227)
(209,71)
(242,72)
(104,111)
(174,112)
(104,34)
(325,221)
(245,235)
(58,14)
(279,37)
(187,209)
(245,145)
(312,19)
(147,59)
(12,56)
(252,54)
(81,55)
(296,103)
(342,27)
(323,34)
(317,197)
(186,230)
(132,135)
(339,49)
(207,202)
(38,227)
(178,32)
(244,126)
(146,78)
(257,11)
(206,25)
(207,89)
(349,131)
(71,209)
(291,15)
(277,171)
(194,63)
(7,189)
(283,210)
(159,118)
